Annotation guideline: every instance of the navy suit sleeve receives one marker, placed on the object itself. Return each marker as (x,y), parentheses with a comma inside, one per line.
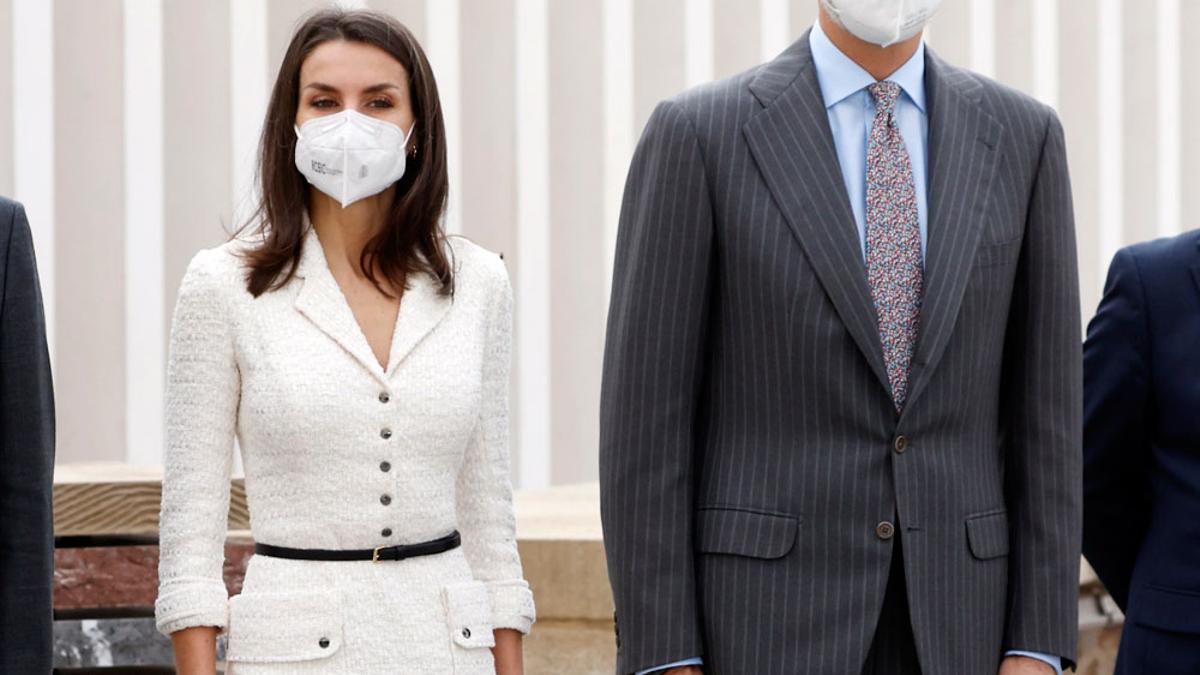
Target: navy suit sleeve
(1116,405)
(26,458)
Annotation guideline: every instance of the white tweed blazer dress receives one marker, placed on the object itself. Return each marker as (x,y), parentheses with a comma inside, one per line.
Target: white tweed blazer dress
(341,453)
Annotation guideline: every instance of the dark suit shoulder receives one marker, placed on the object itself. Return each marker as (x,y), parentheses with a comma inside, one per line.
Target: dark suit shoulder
(8,212)
(720,105)
(1164,258)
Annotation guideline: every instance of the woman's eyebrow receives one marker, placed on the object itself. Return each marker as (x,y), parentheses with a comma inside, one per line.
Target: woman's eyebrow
(321,86)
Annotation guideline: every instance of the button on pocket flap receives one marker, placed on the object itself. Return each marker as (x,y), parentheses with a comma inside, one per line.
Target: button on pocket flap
(987,534)
(745,532)
(469,613)
(273,628)
(1170,609)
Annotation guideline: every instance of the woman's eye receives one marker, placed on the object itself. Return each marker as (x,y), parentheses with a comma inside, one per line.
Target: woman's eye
(324,103)
(380,103)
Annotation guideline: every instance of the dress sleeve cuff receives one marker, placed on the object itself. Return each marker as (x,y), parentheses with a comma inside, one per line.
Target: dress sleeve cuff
(512,605)
(190,603)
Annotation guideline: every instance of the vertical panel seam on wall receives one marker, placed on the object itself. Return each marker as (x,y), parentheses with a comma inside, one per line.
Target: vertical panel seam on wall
(533,242)
(775,16)
(983,37)
(1045,51)
(698,36)
(618,120)
(33,140)
(249,84)
(443,50)
(1111,123)
(144,215)
(1169,110)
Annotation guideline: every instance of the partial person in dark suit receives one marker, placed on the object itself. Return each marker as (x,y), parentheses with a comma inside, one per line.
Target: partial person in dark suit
(841,409)
(1142,452)
(26,454)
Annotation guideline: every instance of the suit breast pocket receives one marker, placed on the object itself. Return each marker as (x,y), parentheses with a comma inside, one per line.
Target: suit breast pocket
(998,254)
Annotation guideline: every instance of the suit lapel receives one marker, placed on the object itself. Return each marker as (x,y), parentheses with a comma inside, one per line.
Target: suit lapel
(421,310)
(322,302)
(963,139)
(792,144)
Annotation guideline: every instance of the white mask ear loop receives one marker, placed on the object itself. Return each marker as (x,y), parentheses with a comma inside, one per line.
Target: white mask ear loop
(404,145)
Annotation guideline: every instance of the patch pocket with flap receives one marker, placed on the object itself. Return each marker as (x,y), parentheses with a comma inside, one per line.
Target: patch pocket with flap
(469,619)
(284,627)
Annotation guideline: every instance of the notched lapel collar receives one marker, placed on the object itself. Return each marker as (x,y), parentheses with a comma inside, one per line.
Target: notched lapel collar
(421,310)
(963,142)
(321,300)
(792,144)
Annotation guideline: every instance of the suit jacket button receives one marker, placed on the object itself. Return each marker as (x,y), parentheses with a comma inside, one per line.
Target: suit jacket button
(885,530)
(323,643)
(384,397)
(466,632)
(901,444)
(385,434)
(385,466)
(387,532)
(385,499)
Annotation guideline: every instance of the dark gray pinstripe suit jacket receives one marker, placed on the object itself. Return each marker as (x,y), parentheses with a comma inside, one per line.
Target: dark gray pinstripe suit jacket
(747,430)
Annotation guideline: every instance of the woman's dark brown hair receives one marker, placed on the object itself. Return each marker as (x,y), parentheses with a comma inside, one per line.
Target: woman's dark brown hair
(413,240)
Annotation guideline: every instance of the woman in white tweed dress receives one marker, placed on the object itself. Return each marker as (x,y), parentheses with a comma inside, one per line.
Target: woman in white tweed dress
(361,359)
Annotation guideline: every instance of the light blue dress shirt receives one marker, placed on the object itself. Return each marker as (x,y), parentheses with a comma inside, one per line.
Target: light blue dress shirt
(851,113)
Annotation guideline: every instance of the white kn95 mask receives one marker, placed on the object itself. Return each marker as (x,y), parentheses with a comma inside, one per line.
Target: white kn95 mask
(882,22)
(351,156)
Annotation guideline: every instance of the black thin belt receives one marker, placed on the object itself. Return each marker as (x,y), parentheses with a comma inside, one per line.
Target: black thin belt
(398,552)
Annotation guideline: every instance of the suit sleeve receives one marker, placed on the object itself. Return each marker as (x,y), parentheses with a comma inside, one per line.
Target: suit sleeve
(26,461)
(652,370)
(202,393)
(1116,399)
(484,492)
(1043,401)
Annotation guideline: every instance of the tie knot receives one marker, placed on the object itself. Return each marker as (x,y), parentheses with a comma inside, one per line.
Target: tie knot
(885,94)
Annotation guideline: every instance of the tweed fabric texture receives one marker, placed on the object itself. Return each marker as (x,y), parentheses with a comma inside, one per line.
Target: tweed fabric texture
(341,452)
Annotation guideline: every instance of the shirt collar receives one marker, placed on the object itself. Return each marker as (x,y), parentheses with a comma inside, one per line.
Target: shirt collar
(840,77)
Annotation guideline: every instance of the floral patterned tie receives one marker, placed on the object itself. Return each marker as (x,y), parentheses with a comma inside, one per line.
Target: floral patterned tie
(894,265)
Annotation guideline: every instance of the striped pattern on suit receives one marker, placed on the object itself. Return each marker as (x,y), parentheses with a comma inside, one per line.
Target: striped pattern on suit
(747,433)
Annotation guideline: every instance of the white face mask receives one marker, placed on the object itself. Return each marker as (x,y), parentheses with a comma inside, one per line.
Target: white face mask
(882,22)
(350,156)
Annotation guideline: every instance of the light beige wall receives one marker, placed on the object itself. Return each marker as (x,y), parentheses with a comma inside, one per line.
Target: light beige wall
(90,221)
(606,63)
(577,286)
(6,100)
(197,153)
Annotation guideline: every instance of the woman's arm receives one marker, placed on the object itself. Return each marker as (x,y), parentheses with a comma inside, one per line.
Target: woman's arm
(195,650)
(203,388)
(484,491)
(510,660)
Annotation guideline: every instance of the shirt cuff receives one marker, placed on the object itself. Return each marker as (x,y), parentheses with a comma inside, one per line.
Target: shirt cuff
(694,661)
(1052,661)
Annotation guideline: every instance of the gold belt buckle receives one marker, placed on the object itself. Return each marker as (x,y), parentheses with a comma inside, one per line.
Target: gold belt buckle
(375,553)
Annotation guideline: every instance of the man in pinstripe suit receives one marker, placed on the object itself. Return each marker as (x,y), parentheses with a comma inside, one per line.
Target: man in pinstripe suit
(841,411)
